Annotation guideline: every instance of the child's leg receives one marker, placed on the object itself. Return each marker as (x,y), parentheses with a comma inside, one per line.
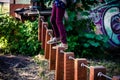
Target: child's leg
(59,21)
(53,21)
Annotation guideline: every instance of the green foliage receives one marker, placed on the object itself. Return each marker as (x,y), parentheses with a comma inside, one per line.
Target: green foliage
(17,37)
(93,45)
(82,39)
(81,36)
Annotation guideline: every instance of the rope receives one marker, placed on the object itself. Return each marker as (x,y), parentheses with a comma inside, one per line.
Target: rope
(101,74)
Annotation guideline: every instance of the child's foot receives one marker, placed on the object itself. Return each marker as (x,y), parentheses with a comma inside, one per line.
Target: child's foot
(53,40)
(65,46)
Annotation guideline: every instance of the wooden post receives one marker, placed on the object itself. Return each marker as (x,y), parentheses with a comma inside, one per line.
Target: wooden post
(68,66)
(94,72)
(40,27)
(80,71)
(52,57)
(116,78)
(59,72)
(44,26)
(47,46)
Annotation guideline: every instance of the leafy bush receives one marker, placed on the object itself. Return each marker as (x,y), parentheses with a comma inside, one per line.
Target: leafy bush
(82,39)
(81,36)
(18,37)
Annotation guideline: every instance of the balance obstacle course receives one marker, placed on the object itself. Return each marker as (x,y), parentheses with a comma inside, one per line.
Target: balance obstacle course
(66,66)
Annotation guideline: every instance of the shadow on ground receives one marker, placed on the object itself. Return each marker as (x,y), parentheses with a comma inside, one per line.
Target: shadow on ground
(18,68)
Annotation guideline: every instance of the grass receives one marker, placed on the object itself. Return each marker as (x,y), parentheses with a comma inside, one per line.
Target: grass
(45,73)
(112,67)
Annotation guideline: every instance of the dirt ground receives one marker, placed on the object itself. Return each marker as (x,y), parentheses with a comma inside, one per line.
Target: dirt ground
(37,68)
(23,68)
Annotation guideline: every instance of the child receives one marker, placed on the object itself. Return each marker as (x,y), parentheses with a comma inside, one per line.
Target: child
(57,15)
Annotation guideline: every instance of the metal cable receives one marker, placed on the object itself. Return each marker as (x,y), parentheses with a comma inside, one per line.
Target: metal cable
(42,19)
(46,27)
(50,35)
(70,57)
(101,74)
(61,51)
(83,65)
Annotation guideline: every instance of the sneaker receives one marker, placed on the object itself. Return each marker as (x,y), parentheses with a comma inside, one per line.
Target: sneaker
(53,40)
(65,46)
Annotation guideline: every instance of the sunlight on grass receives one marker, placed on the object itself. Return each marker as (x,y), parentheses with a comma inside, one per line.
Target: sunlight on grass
(45,73)
(112,68)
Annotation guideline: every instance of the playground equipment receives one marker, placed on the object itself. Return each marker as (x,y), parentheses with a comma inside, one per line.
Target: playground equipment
(66,66)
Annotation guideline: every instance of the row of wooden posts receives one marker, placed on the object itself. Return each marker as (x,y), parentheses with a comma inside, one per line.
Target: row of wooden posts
(66,66)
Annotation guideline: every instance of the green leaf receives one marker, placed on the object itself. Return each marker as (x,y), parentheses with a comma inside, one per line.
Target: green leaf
(99,37)
(93,43)
(69,28)
(90,35)
(86,45)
